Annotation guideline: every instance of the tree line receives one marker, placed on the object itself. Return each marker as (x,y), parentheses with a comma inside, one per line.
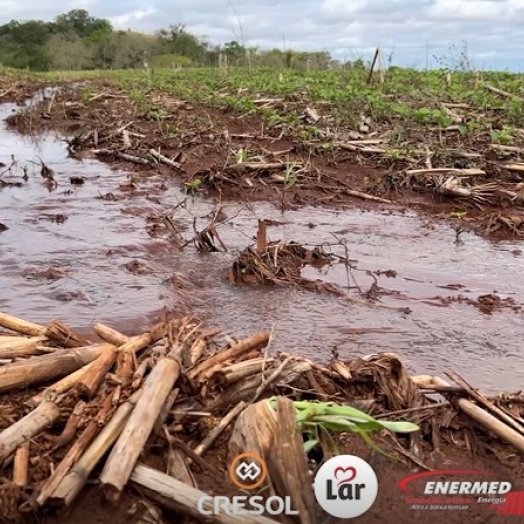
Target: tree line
(78,41)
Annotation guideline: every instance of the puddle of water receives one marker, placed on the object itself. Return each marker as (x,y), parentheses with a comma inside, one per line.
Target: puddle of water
(97,281)
(100,237)
(431,339)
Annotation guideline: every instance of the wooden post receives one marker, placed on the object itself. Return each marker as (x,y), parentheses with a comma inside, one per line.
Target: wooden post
(373,64)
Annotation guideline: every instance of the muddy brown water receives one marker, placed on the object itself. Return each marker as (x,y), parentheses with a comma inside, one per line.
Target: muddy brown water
(98,238)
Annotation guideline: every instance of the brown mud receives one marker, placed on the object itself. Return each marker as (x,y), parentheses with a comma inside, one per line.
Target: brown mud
(103,250)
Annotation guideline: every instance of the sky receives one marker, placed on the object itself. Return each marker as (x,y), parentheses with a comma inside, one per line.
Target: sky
(418,33)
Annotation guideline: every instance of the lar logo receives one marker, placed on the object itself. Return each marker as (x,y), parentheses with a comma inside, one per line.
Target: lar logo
(346,486)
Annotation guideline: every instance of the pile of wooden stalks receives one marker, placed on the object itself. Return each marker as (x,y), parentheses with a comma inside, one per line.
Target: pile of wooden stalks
(75,408)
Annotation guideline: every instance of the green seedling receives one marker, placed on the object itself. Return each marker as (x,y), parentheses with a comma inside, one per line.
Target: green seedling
(191,186)
(290,178)
(459,227)
(319,420)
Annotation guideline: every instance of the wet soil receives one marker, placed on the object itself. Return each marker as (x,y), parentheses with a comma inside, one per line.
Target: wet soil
(210,142)
(101,251)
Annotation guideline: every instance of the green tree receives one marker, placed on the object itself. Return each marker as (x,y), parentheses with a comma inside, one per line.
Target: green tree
(101,46)
(131,49)
(77,40)
(69,52)
(177,41)
(22,44)
(82,23)
(235,52)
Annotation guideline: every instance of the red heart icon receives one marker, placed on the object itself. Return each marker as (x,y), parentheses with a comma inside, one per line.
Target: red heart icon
(350,472)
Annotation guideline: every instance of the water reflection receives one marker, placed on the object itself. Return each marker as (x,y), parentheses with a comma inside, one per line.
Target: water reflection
(98,242)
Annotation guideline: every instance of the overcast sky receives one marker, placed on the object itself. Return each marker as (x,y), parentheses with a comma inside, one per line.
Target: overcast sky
(413,31)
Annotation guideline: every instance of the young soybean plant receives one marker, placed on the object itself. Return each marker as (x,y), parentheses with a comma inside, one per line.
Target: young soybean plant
(318,420)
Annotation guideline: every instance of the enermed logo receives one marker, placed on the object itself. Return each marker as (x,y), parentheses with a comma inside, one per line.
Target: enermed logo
(460,489)
(247,472)
(346,486)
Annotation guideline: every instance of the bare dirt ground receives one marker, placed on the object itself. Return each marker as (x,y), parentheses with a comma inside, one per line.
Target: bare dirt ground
(202,147)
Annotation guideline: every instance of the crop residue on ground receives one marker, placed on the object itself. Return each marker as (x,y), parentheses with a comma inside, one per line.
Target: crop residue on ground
(344,216)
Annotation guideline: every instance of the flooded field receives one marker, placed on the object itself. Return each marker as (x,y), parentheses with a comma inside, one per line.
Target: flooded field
(69,253)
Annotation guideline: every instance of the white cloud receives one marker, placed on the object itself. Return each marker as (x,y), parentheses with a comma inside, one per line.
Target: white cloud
(127,20)
(340,8)
(474,10)
(80,4)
